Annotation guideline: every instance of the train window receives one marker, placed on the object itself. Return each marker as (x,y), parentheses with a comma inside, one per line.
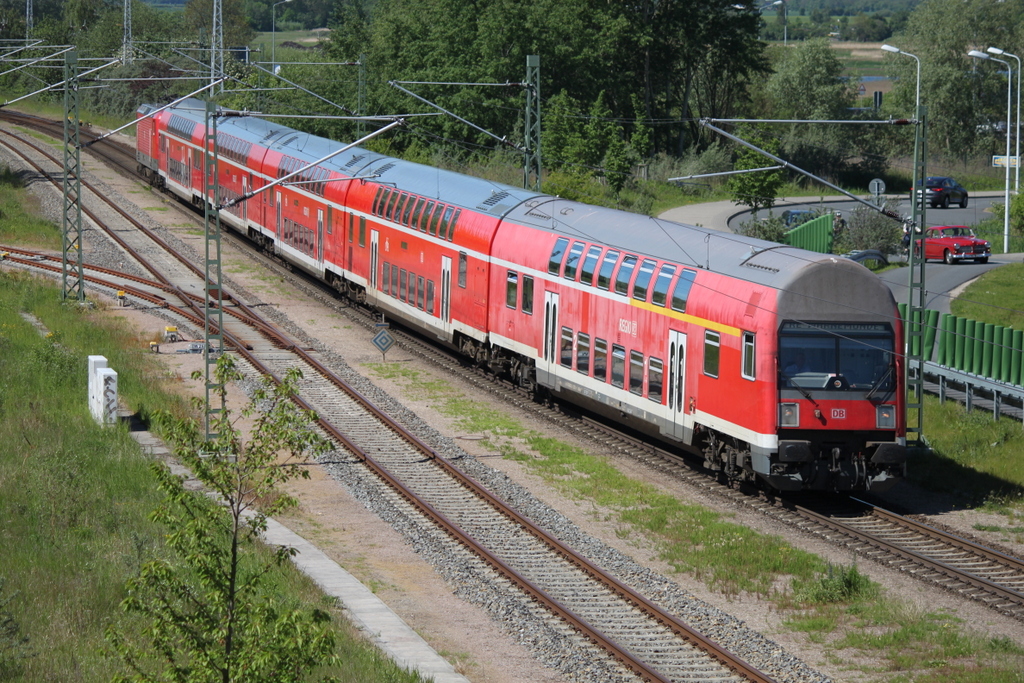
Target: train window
(625,274)
(528,294)
(330,220)
(402,285)
(425,218)
(438,211)
(394,279)
(362,231)
(407,212)
(572,262)
(415,222)
(643,279)
(583,353)
(557,254)
(420,291)
(351,228)
(447,221)
(397,217)
(655,379)
(661,284)
(748,356)
(682,290)
(463,268)
(636,373)
(511,289)
(601,360)
(590,265)
(604,278)
(430,297)
(454,222)
(618,365)
(391,204)
(385,279)
(566,355)
(712,352)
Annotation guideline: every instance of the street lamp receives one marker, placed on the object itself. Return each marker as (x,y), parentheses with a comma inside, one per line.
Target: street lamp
(273,34)
(1004,53)
(1009,108)
(897,51)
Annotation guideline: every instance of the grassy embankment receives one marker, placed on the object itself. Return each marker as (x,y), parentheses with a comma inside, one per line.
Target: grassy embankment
(75,498)
(859,626)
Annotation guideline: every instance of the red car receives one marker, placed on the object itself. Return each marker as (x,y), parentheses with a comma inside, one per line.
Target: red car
(954,243)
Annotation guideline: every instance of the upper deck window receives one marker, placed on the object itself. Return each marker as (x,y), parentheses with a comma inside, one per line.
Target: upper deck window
(572,262)
(643,278)
(590,265)
(604,278)
(557,254)
(625,274)
(682,291)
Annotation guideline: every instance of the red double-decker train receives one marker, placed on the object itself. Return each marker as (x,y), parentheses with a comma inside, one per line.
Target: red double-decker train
(778,364)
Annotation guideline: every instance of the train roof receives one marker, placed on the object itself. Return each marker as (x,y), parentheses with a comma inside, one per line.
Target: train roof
(746,258)
(427,181)
(805,275)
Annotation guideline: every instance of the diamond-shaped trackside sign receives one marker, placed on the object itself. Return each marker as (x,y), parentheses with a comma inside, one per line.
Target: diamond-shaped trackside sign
(383,341)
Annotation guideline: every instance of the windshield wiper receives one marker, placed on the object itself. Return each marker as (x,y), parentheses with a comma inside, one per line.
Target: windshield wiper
(881,380)
(799,388)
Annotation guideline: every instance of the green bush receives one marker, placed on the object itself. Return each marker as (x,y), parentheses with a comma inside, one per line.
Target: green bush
(837,585)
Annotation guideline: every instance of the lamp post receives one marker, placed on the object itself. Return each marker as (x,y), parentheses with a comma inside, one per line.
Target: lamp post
(273,35)
(897,51)
(1009,108)
(1016,152)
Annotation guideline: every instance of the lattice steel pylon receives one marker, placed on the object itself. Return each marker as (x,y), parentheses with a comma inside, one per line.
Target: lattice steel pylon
(915,322)
(217,42)
(29,20)
(127,49)
(532,165)
(72,276)
(213,300)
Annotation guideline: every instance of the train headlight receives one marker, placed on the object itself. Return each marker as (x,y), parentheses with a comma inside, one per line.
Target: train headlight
(885,417)
(789,415)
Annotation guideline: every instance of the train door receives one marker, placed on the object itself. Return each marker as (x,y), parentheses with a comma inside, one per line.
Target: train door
(186,177)
(246,184)
(677,383)
(277,224)
(446,296)
(320,238)
(374,238)
(550,357)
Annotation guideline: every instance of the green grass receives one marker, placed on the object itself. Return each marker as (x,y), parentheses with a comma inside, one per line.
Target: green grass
(860,626)
(75,498)
(19,223)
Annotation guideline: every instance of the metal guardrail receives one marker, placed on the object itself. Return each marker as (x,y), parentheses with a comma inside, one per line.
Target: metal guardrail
(974,391)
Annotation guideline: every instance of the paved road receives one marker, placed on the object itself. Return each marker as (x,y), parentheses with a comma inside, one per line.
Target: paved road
(726,215)
(941,281)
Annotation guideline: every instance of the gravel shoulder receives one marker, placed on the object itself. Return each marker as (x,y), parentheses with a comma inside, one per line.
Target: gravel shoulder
(378,555)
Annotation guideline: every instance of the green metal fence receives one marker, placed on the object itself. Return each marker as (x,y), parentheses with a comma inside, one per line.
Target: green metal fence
(814,235)
(991,351)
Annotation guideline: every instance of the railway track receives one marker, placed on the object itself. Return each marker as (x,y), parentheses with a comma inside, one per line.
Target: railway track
(625,635)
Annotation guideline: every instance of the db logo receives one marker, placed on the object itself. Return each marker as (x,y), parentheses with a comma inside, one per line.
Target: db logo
(839,413)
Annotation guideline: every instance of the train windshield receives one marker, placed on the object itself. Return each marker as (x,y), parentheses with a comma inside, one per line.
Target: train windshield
(837,356)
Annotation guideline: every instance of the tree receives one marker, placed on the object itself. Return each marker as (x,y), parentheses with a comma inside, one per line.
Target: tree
(212,614)
(958,91)
(756,190)
(869,229)
(808,84)
(235,24)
